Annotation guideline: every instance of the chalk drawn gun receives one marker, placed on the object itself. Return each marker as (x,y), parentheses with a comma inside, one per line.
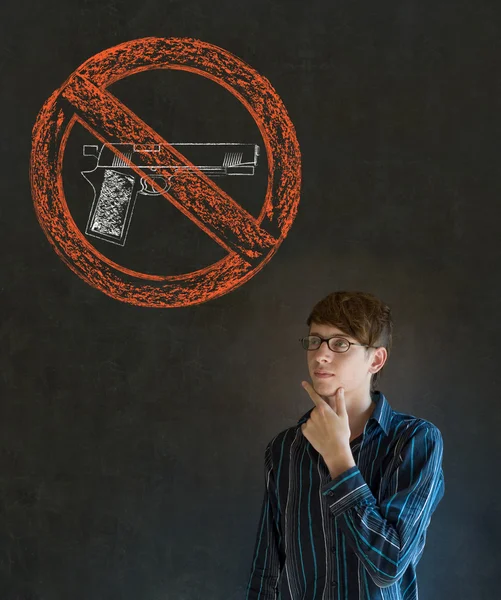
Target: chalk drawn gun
(116,185)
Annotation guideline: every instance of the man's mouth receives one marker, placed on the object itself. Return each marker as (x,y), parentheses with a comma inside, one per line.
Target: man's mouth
(323,374)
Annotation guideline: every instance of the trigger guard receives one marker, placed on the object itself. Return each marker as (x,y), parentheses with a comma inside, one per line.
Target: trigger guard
(148,192)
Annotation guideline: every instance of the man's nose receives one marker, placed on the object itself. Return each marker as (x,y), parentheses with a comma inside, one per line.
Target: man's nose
(323,350)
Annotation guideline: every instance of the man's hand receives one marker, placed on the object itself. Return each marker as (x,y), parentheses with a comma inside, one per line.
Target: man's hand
(328,430)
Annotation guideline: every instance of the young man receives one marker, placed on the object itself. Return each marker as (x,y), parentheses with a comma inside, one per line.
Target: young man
(349,490)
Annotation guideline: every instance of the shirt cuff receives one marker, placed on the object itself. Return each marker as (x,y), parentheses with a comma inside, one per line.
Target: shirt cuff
(347,490)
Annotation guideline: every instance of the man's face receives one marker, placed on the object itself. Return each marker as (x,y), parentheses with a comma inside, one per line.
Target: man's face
(349,369)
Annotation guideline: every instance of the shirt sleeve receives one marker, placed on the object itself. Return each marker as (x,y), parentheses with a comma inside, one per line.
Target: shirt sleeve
(387,536)
(267,560)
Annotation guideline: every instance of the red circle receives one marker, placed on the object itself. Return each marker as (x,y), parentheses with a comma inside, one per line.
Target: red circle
(54,124)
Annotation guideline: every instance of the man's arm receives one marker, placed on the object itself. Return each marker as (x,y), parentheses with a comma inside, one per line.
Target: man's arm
(267,561)
(388,536)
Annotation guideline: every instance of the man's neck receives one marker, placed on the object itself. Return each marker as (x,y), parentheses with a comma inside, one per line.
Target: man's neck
(358,417)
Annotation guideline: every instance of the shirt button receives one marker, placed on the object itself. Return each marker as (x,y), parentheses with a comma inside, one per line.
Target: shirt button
(333,548)
(333,582)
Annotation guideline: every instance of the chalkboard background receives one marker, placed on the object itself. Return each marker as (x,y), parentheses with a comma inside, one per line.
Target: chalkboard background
(132,439)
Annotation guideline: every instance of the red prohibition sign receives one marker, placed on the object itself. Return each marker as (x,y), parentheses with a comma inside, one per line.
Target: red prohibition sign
(83,98)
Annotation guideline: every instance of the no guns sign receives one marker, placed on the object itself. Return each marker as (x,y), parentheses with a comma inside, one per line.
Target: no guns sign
(83,98)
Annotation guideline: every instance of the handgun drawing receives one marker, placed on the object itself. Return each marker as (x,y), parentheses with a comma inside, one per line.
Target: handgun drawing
(116,185)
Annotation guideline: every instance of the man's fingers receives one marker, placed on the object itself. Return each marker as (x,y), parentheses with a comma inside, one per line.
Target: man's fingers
(340,403)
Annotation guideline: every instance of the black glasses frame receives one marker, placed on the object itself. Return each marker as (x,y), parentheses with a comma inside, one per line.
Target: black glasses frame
(328,343)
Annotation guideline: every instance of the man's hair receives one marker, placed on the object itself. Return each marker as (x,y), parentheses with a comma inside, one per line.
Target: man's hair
(360,315)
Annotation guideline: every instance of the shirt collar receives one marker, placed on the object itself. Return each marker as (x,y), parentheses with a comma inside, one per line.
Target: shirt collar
(381,414)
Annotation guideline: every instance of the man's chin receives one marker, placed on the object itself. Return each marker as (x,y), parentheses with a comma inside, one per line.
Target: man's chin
(325,389)
(324,385)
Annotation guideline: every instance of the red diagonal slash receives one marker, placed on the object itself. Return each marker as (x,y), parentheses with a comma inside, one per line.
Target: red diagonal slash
(84,98)
(198,197)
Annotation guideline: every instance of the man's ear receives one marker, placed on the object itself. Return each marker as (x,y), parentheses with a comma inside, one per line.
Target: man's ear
(378,359)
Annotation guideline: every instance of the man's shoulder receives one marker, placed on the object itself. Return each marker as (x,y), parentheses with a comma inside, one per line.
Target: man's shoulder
(283,439)
(406,425)
(400,418)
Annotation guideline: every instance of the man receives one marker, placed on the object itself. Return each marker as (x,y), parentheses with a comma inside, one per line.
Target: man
(350,490)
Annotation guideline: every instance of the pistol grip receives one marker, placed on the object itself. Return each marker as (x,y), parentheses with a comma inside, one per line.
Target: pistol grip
(111,211)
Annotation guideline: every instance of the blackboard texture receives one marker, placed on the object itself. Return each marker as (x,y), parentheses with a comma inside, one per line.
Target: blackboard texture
(132,438)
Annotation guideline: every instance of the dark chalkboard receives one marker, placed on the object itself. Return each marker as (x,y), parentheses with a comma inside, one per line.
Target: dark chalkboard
(132,438)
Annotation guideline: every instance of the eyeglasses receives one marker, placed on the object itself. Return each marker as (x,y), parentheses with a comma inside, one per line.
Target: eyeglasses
(336,344)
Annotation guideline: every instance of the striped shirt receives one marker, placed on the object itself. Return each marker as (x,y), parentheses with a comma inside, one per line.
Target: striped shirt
(358,536)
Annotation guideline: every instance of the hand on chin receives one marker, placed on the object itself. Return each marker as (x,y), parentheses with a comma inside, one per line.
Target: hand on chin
(327,391)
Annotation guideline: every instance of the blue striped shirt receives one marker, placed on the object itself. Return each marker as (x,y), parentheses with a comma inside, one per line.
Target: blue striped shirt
(360,535)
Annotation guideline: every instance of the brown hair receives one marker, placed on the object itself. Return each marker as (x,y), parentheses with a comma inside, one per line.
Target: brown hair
(360,315)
